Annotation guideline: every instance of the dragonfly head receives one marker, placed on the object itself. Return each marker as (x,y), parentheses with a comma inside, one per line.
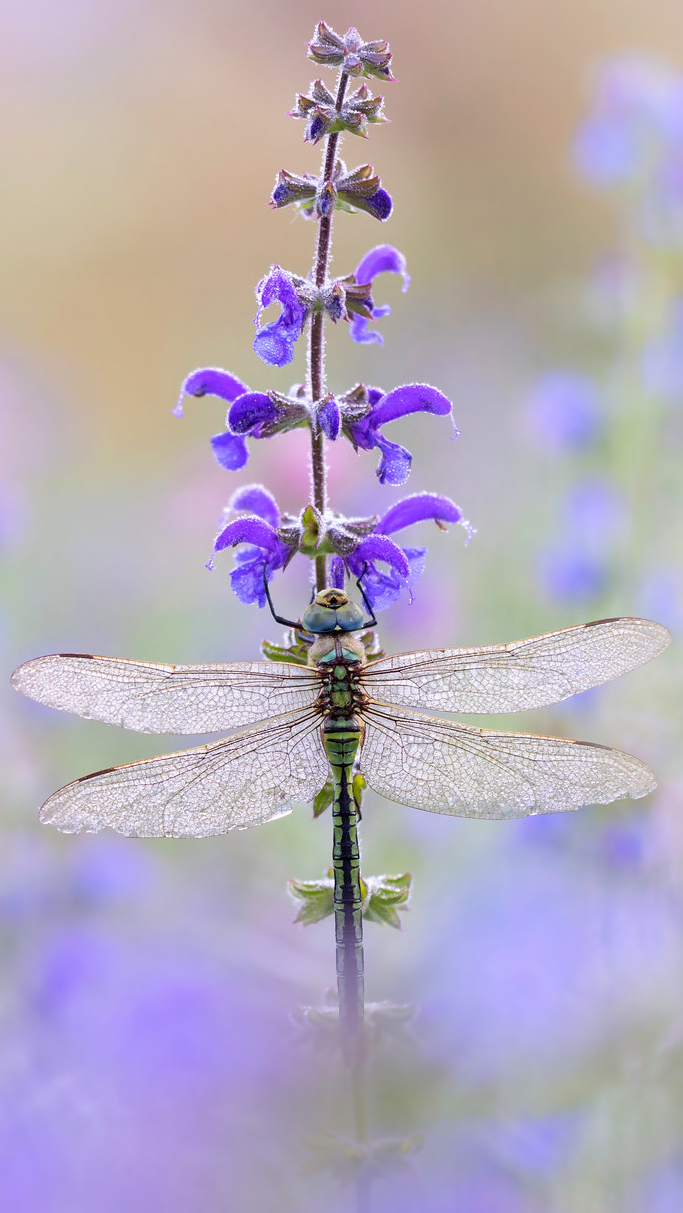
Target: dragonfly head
(331,611)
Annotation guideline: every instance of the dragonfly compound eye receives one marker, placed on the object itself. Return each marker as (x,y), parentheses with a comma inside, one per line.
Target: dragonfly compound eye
(319,619)
(349,617)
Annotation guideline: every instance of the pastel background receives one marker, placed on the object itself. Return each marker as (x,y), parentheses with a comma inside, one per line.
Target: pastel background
(148,1058)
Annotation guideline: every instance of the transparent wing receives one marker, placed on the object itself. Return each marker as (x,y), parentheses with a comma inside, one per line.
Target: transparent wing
(524,674)
(452,768)
(152,698)
(244,780)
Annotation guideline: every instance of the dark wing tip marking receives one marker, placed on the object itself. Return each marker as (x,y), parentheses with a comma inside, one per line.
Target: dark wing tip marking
(81,656)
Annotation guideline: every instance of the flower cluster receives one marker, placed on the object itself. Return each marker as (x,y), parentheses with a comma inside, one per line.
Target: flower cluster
(345,547)
(356,545)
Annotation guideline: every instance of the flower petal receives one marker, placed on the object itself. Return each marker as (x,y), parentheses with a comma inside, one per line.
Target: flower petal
(379,547)
(337,573)
(256,499)
(249,530)
(419,507)
(230,450)
(274,343)
(394,466)
(210,381)
(329,418)
(250,410)
(383,258)
(358,328)
(410,398)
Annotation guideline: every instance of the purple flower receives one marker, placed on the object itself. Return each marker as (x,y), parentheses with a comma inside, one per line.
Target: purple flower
(394,465)
(356,545)
(274,343)
(250,412)
(265,552)
(563,410)
(384,258)
(381,589)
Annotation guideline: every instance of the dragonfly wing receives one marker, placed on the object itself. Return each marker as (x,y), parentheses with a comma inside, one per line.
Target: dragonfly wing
(152,698)
(453,768)
(524,674)
(243,780)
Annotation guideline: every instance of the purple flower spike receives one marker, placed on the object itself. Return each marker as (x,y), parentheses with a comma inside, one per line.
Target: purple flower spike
(394,466)
(265,552)
(384,258)
(210,381)
(274,343)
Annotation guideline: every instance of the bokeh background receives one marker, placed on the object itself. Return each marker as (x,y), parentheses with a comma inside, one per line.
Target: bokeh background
(149,1060)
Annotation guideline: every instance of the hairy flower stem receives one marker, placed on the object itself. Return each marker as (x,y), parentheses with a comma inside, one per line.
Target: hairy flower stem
(316,342)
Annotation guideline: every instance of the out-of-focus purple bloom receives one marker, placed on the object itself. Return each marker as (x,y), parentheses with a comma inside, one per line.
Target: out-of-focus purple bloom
(394,465)
(264,550)
(575,567)
(570,575)
(563,411)
(384,258)
(661,597)
(274,343)
(662,1191)
(663,358)
(633,140)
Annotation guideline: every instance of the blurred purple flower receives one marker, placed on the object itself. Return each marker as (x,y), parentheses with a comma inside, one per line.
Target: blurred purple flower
(274,343)
(568,574)
(384,258)
(563,411)
(394,465)
(575,567)
(662,365)
(661,597)
(633,140)
(662,1190)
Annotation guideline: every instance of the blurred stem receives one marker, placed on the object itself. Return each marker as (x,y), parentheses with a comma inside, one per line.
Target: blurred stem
(359,1095)
(316,340)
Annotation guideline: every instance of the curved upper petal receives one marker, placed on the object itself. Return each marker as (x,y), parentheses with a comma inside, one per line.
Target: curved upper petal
(379,547)
(248,530)
(210,381)
(256,499)
(383,258)
(410,398)
(419,507)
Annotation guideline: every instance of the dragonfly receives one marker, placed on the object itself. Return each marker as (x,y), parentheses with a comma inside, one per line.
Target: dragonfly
(296,727)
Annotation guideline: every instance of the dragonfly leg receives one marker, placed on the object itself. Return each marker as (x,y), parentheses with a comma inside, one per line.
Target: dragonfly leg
(288,623)
(372,622)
